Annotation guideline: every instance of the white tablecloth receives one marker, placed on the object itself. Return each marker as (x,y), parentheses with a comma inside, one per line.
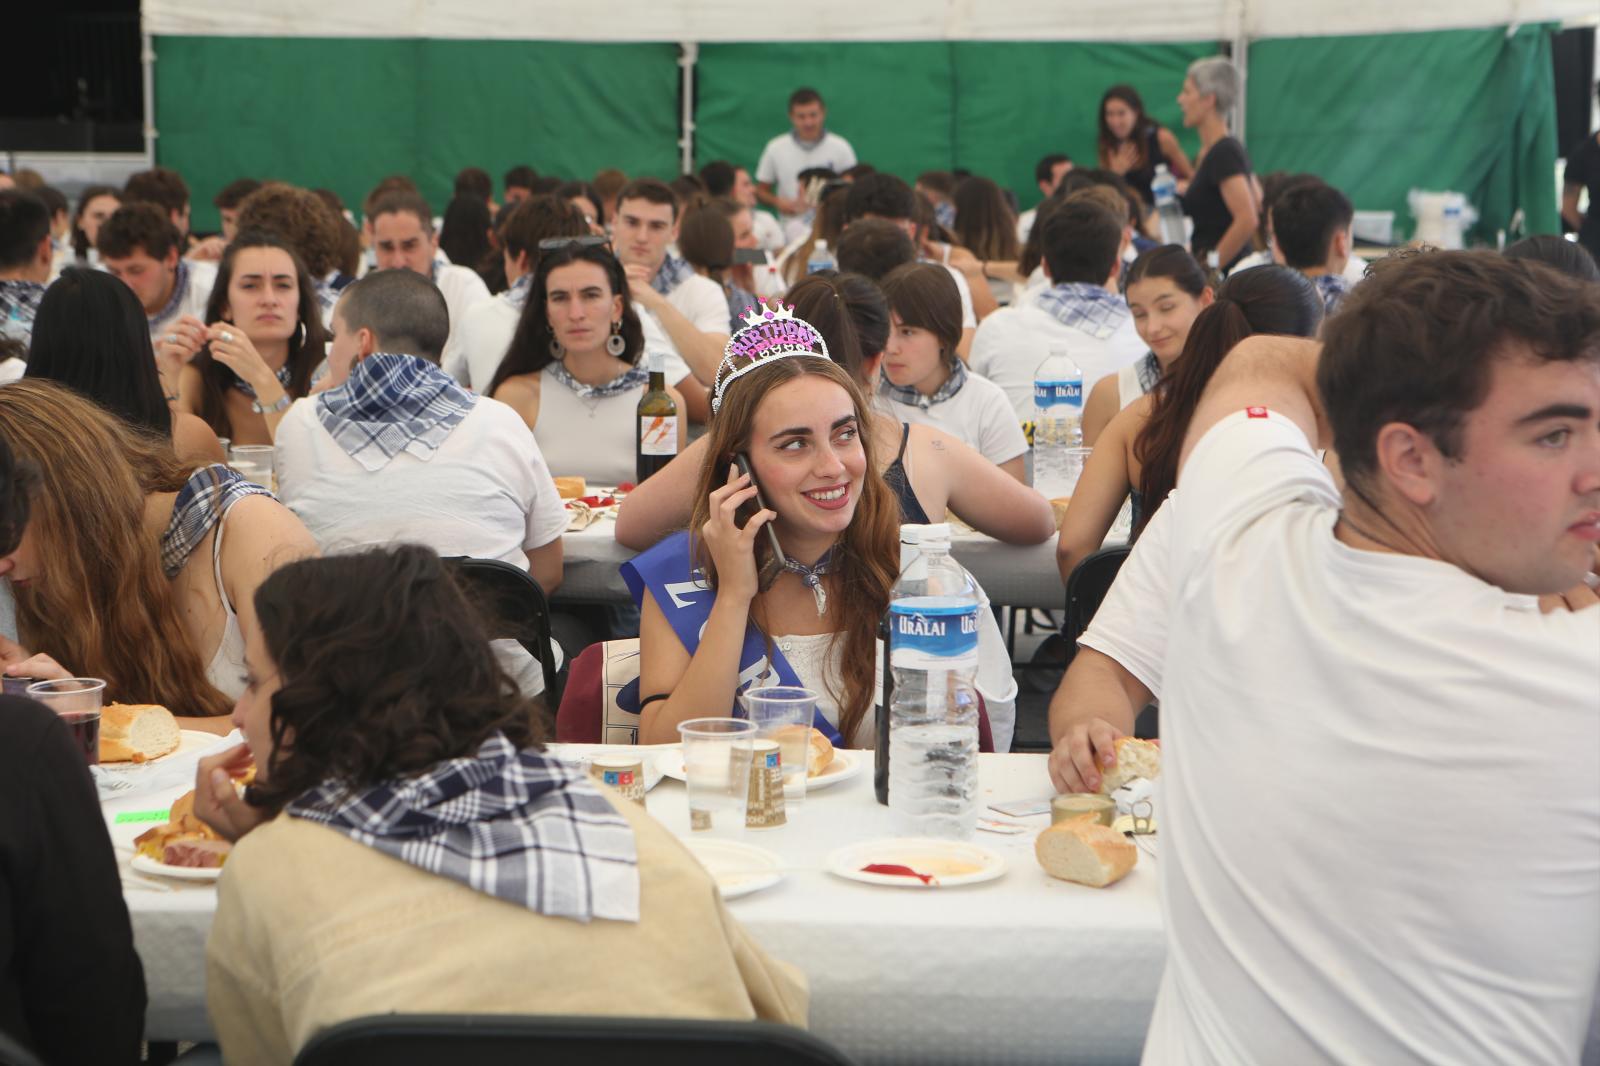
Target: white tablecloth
(1025,969)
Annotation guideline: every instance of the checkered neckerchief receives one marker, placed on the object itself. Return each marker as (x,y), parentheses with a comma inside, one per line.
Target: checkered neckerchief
(1334,288)
(908,394)
(517,825)
(1086,308)
(392,404)
(180,289)
(202,502)
(674,272)
(517,294)
(1149,371)
(19,303)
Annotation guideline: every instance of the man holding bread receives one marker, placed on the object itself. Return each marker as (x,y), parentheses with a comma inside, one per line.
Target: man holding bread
(1380,804)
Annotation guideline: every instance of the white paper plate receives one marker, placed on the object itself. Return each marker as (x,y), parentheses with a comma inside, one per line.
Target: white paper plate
(583,754)
(190,742)
(845,765)
(926,856)
(738,869)
(146,865)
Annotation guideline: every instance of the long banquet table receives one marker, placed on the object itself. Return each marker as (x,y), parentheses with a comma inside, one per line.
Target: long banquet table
(1025,969)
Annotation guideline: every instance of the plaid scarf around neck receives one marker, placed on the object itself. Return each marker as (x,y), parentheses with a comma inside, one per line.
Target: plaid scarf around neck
(1086,308)
(180,289)
(19,306)
(1149,371)
(283,374)
(516,825)
(674,272)
(202,502)
(1333,288)
(911,397)
(517,294)
(632,378)
(391,404)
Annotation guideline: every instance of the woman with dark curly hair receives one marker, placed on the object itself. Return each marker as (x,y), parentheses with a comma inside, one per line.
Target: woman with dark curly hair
(313,228)
(403,799)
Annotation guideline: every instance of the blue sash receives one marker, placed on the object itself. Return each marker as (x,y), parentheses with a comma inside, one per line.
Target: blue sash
(680,591)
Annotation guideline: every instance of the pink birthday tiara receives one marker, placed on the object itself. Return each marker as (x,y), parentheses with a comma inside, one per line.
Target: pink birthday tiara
(770,332)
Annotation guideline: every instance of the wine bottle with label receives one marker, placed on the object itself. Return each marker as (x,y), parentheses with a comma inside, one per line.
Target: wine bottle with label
(658,423)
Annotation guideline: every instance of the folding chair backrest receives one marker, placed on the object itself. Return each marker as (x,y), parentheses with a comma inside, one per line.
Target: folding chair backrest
(513,607)
(1090,581)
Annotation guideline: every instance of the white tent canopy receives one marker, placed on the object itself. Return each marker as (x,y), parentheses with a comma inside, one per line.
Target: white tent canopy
(846,20)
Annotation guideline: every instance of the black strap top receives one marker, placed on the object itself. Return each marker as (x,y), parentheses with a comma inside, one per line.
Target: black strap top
(895,474)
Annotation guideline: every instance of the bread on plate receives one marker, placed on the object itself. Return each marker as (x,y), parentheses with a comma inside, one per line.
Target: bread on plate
(819,752)
(571,488)
(1085,851)
(1135,758)
(136,732)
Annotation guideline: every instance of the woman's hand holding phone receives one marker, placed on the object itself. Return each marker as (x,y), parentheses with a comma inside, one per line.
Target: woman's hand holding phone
(733,550)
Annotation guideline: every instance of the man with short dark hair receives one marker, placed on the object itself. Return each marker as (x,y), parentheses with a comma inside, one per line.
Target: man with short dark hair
(166,189)
(139,244)
(1311,227)
(873,247)
(25,258)
(1080,314)
(55,201)
(227,204)
(1333,658)
(518,184)
(806,145)
(1047,175)
(401,224)
(723,179)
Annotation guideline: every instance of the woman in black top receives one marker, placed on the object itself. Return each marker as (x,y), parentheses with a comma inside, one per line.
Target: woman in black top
(1221,196)
(1133,144)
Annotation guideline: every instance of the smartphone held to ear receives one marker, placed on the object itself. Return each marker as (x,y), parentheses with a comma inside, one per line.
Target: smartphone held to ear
(749,510)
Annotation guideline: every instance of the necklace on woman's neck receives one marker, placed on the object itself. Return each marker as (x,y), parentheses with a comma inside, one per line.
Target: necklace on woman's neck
(811,577)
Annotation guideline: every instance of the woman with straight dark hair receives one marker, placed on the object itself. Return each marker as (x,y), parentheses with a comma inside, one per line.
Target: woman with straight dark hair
(265,340)
(95,204)
(578,345)
(1138,452)
(582,195)
(92,335)
(464,235)
(1133,144)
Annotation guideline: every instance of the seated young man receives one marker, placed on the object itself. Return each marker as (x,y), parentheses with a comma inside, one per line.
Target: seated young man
(25,264)
(1362,702)
(396,450)
(1311,227)
(873,248)
(139,245)
(1080,313)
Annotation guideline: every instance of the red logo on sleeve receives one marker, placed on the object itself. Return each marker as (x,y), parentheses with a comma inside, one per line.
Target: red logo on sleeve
(1255,412)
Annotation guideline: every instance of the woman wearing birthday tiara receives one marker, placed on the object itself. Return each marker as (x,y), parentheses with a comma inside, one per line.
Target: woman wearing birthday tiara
(808,616)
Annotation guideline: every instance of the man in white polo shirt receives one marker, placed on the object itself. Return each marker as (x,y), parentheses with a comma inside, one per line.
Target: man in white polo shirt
(1380,804)
(806,145)
(139,245)
(403,236)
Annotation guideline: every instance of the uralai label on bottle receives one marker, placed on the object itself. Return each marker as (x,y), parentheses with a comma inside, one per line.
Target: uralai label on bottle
(931,634)
(1050,393)
(658,434)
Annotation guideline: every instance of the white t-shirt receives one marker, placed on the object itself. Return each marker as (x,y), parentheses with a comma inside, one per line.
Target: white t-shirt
(768,230)
(784,158)
(463,290)
(1012,342)
(1380,799)
(979,415)
(1025,224)
(1131,623)
(969,318)
(202,275)
(702,302)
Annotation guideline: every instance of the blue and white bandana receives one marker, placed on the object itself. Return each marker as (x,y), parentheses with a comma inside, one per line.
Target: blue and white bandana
(517,294)
(283,374)
(944,213)
(205,498)
(329,289)
(180,289)
(1084,307)
(910,396)
(674,272)
(392,404)
(1149,371)
(19,304)
(1333,288)
(632,378)
(516,825)
(739,301)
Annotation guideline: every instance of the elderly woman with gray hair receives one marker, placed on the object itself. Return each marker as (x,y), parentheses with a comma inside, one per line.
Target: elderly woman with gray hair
(1221,197)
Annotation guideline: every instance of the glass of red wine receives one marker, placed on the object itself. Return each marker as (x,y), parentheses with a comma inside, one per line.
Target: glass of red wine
(77,701)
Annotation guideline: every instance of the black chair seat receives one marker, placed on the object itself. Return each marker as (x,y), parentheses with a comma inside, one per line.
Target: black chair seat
(514,608)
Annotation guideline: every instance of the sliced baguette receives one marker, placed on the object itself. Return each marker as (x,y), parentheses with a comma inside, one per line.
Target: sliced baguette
(1086,852)
(132,732)
(1135,758)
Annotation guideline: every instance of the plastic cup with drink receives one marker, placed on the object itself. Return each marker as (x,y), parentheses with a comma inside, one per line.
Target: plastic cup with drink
(716,769)
(77,701)
(783,713)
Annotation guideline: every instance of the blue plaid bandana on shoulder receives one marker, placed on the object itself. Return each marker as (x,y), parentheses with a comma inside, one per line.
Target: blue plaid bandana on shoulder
(516,825)
(1086,308)
(674,272)
(392,404)
(517,294)
(205,498)
(908,394)
(1149,371)
(180,289)
(634,377)
(19,305)
(1333,288)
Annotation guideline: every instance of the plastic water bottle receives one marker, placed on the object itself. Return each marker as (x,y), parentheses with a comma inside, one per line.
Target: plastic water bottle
(883,691)
(933,711)
(1057,423)
(1164,187)
(821,258)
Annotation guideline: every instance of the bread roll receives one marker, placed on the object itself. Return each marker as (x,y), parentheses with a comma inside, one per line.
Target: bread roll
(136,732)
(819,755)
(570,488)
(1059,506)
(1135,758)
(1086,852)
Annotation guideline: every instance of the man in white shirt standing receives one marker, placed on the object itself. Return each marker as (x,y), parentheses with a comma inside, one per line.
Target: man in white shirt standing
(1380,803)
(396,450)
(403,236)
(1081,313)
(139,245)
(806,145)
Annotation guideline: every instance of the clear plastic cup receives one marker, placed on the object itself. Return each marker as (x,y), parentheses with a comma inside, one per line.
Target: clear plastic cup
(716,768)
(77,701)
(783,713)
(254,461)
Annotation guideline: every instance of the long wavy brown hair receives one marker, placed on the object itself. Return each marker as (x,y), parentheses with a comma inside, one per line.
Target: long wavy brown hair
(867,553)
(103,607)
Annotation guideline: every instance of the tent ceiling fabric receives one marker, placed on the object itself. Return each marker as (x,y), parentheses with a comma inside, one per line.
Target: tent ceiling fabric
(844,20)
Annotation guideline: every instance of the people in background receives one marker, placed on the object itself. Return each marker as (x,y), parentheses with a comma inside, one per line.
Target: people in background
(986,226)
(139,245)
(25,259)
(1311,226)
(1221,197)
(1132,144)
(517,184)
(925,382)
(1569,257)
(227,204)
(315,230)
(583,196)
(55,201)
(724,180)
(475,182)
(807,145)
(608,182)
(1047,174)
(90,335)
(166,188)
(465,234)
(1583,173)
(431,732)
(706,241)
(939,187)
(95,204)
(873,247)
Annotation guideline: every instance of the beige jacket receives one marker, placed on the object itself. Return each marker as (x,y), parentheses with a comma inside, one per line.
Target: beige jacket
(314,929)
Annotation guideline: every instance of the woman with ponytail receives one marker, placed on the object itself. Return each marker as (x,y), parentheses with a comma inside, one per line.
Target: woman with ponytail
(1138,451)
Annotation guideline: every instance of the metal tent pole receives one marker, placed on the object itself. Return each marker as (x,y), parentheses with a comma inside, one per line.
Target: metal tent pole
(689,54)
(147,59)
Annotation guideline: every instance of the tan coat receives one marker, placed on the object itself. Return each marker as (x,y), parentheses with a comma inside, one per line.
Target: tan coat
(313,929)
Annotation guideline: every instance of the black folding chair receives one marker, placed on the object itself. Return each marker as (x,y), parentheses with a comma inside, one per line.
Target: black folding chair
(1090,581)
(514,608)
(13,1053)
(518,1040)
